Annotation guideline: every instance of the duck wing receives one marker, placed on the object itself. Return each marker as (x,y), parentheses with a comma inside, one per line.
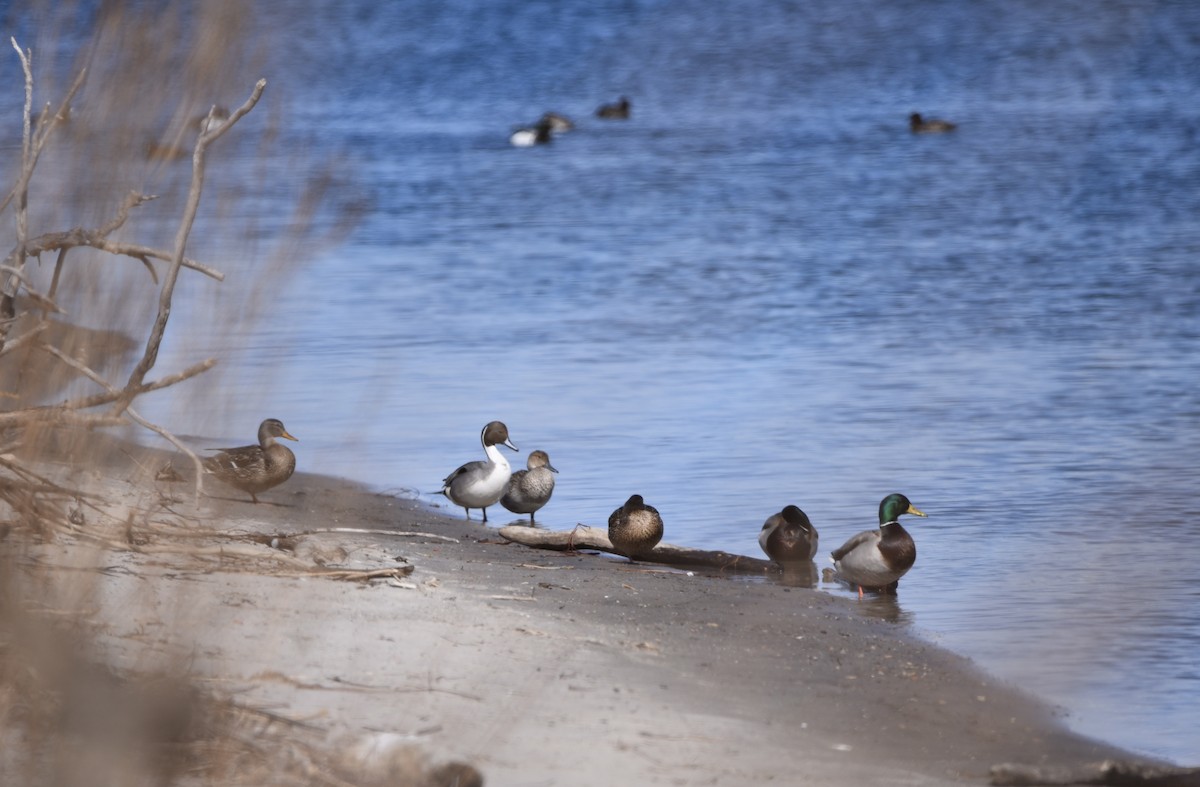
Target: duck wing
(468,467)
(237,460)
(855,542)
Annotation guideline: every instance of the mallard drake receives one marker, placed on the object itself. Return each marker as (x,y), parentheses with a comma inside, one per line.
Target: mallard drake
(530,489)
(481,484)
(876,559)
(788,537)
(255,468)
(635,528)
(617,111)
(919,125)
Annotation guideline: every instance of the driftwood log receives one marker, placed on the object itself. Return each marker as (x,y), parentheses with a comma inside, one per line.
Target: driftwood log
(584,537)
(1114,773)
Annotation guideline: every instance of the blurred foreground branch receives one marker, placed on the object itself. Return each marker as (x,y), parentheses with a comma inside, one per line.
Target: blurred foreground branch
(37,304)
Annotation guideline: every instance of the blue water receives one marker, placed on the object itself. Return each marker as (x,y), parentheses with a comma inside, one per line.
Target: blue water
(759,290)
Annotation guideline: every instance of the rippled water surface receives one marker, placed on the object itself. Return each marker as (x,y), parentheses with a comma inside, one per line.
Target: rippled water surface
(763,290)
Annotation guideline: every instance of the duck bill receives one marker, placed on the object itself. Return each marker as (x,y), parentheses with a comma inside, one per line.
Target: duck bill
(287,436)
(552,468)
(915,511)
(510,445)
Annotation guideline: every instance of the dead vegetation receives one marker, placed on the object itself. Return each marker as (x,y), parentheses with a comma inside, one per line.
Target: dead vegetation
(81,331)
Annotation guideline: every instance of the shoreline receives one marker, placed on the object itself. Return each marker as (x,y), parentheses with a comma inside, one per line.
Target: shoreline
(544,667)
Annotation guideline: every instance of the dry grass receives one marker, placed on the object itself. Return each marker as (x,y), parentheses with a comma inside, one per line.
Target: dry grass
(111,93)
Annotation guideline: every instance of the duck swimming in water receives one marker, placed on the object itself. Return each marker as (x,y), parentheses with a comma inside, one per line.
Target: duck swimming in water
(617,111)
(919,125)
(527,137)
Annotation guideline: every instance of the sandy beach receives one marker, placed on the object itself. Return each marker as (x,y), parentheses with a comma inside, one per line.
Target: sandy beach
(535,667)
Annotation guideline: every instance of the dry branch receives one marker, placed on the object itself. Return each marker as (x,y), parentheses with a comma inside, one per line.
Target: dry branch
(14,279)
(584,537)
(185,228)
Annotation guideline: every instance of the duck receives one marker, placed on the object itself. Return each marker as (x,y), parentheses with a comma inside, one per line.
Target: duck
(788,537)
(255,468)
(876,559)
(617,111)
(481,484)
(635,528)
(919,125)
(530,489)
(528,136)
(559,124)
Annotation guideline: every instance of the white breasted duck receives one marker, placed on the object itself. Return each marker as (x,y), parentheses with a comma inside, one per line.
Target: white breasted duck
(255,468)
(876,559)
(617,111)
(788,537)
(481,484)
(919,125)
(528,136)
(635,528)
(530,489)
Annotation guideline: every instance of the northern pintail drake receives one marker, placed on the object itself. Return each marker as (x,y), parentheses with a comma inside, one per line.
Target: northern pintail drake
(481,484)
(255,468)
(530,489)
(788,537)
(876,559)
(635,528)
(919,125)
(527,137)
(559,124)
(617,111)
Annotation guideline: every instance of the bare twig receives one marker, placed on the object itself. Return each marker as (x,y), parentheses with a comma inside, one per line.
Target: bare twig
(133,414)
(8,292)
(63,409)
(185,229)
(56,241)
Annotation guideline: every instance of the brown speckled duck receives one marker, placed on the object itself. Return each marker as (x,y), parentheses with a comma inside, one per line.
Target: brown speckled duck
(788,537)
(530,489)
(255,468)
(635,528)
(876,559)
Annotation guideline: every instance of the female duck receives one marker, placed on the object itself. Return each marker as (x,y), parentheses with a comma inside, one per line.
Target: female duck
(617,111)
(635,528)
(255,468)
(919,125)
(481,484)
(788,537)
(876,559)
(528,490)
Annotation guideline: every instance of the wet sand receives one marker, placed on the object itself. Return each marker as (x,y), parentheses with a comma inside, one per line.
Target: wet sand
(544,668)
